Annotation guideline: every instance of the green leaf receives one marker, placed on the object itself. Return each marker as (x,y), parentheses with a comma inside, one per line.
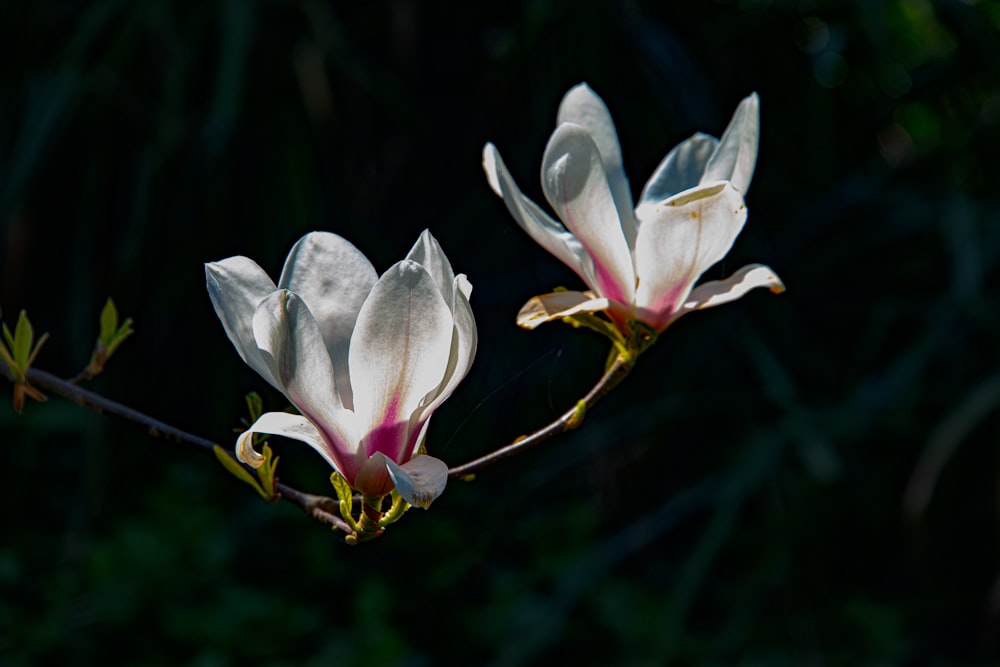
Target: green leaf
(255,405)
(109,322)
(24,335)
(8,338)
(266,474)
(234,467)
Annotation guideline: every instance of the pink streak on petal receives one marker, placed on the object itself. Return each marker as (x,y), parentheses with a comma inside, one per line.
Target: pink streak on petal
(391,437)
(338,450)
(607,285)
(660,313)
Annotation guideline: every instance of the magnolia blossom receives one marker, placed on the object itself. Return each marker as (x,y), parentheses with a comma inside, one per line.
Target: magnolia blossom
(639,264)
(365,359)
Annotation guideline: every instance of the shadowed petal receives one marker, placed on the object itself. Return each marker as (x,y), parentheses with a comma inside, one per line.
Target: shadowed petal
(547,232)
(556,305)
(333,278)
(718,292)
(576,186)
(681,170)
(236,286)
(685,236)
(288,425)
(420,480)
(399,354)
(736,155)
(582,106)
(463,348)
(291,344)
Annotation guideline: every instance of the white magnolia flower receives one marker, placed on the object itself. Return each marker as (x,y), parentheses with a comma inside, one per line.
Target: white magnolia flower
(365,359)
(639,264)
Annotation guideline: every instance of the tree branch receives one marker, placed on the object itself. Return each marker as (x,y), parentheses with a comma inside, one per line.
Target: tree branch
(320,508)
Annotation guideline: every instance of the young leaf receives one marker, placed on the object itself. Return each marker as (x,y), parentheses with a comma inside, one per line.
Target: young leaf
(234,467)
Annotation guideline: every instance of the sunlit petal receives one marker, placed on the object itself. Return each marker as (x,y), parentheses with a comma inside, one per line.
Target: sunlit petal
(292,345)
(684,237)
(463,348)
(427,253)
(284,424)
(399,353)
(548,233)
(736,155)
(333,278)
(576,186)
(718,292)
(583,107)
(236,286)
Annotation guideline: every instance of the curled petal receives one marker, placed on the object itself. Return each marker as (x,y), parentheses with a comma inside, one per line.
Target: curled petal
(718,292)
(556,305)
(420,480)
(736,155)
(548,233)
(236,287)
(333,278)
(583,107)
(577,187)
(288,425)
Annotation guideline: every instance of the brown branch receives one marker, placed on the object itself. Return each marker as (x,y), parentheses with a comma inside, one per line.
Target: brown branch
(320,508)
(569,420)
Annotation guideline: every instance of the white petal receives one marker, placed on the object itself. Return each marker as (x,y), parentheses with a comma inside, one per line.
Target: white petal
(333,278)
(236,286)
(288,425)
(548,233)
(686,236)
(556,305)
(463,349)
(681,170)
(427,253)
(736,155)
(583,107)
(420,480)
(399,353)
(718,292)
(291,344)
(577,187)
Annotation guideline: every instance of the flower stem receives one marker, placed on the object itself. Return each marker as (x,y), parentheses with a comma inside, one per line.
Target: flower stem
(570,419)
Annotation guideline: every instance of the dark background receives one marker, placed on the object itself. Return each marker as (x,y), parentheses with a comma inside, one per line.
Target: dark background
(738,500)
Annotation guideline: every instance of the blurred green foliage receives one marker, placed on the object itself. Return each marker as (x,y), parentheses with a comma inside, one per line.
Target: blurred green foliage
(804,479)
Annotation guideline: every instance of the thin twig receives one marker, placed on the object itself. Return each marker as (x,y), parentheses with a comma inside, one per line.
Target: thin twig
(320,508)
(569,420)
